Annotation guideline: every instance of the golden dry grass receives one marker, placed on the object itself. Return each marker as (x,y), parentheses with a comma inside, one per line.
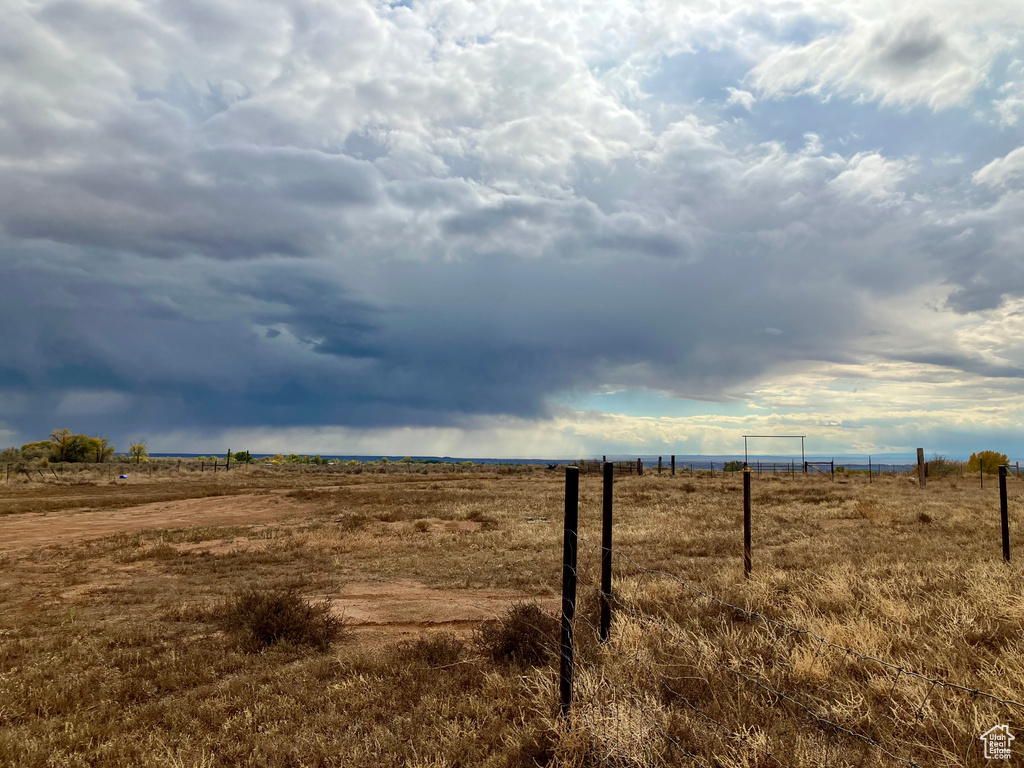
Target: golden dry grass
(110,652)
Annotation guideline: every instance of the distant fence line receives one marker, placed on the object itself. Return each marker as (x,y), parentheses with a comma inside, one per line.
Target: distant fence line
(791,468)
(157,467)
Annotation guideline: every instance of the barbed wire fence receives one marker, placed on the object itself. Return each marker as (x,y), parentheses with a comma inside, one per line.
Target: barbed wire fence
(681,674)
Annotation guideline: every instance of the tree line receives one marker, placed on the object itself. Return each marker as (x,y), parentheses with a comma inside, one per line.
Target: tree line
(67,446)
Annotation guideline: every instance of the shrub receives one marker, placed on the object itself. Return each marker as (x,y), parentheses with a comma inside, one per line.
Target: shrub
(733,466)
(526,636)
(990,460)
(940,466)
(41,449)
(10,456)
(262,618)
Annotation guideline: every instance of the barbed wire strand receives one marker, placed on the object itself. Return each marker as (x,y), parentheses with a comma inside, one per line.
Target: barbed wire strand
(822,642)
(735,735)
(749,613)
(680,698)
(718,724)
(780,695)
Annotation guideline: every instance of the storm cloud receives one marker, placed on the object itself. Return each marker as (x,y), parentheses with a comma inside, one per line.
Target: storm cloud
(435,215)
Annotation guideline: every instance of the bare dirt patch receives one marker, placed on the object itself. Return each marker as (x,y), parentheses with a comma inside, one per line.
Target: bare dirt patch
(379,612)
(25,531)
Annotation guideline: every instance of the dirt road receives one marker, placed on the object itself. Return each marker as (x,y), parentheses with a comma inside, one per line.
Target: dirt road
(66,527)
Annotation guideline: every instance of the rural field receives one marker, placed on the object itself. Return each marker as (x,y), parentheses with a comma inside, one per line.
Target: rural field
(127,634)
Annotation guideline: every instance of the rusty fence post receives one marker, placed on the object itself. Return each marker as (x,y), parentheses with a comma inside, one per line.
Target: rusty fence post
(606,553)
(569,547)
(1004,513)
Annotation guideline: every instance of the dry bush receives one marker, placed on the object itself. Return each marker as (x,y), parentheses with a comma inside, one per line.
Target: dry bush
(260,618)
(526,636)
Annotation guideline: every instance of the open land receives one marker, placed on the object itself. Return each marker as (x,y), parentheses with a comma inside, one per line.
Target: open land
(112,651)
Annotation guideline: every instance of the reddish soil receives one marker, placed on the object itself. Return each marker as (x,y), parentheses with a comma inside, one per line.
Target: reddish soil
(397,610)
(65,527)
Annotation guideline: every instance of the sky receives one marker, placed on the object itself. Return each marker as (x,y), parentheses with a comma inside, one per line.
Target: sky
(508,228)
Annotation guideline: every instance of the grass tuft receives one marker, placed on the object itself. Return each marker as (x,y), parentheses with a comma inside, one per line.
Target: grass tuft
(442,650)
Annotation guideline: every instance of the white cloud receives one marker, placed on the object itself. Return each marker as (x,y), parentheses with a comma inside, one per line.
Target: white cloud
(1002,171)
(744,98)
(915,55)
(868,174)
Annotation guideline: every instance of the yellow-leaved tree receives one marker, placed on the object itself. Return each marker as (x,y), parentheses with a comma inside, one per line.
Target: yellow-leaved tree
(987,461)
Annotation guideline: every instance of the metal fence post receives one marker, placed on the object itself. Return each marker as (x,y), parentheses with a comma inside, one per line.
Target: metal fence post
(1004,513)
(606,554)
(673,465)
(746,523)
(569,544)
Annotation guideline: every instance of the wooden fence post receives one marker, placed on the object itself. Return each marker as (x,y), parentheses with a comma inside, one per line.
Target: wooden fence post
(606,553)
(569,544)
(1004,513)
(922,478)
(639,467)
(659,465)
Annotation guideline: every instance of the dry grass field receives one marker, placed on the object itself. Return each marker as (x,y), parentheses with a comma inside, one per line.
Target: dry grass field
(115,649)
